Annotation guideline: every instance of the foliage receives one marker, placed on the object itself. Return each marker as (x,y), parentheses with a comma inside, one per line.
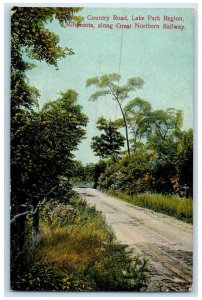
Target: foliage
(81,255)
(117,271)
(44,147)
(185,159)
(33,36)
(88,175)
(56,214)
(30,38)
(162,156)
(43,153)
(94,171)
(109,142)
(158,166)
(138,112)
(108,84)
(78,173)
(166,123)
(181,209)
(43,278)
(30,176)
(171,165)
(126,174)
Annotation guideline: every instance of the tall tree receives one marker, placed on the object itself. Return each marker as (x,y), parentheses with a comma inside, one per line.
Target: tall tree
(108,84)
(43,155)
(110,141)
(137,112)
(30,38)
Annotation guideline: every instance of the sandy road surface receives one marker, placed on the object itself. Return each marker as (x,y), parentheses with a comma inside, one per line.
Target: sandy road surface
(166,241)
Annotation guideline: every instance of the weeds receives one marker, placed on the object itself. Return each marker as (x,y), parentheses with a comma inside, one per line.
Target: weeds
(179,208)
(76,251)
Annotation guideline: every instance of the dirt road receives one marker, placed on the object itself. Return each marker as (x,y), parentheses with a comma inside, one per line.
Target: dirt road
(166,241)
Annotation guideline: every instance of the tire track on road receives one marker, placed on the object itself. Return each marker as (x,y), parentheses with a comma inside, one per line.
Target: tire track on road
(167,242)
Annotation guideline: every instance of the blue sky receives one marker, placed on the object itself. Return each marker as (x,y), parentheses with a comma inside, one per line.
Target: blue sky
(162,57)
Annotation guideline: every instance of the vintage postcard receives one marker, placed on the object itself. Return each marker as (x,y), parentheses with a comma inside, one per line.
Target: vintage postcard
(102,149)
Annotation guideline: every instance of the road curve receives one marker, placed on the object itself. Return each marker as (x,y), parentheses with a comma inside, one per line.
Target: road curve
(166,242)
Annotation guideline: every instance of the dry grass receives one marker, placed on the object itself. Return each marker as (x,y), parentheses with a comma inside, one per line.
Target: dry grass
(181,209)
(73,247)
(78,252)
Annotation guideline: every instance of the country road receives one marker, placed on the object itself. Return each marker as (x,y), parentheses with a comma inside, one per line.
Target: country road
(166,241)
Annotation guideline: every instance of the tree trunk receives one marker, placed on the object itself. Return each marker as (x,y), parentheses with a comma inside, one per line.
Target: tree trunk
(126,127)
(35,221)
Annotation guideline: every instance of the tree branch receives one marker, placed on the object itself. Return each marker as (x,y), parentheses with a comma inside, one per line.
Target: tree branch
(31,213)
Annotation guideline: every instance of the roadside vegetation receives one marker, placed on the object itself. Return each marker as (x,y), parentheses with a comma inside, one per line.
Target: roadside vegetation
(148,178)
(174,206)
(76,251)
(156,171)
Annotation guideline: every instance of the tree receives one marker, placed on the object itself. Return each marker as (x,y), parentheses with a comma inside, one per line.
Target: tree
(55,133)
(165,123)
(108,84)
(31,39)
(163,164)
(163,141)
(44,148)
(185,161)
(93,172)
(126,174)
(108,143)
(137,112)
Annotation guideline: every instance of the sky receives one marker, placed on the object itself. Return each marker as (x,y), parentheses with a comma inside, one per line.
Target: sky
(163,58)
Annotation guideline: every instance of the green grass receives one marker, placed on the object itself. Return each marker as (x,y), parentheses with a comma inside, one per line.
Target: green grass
(181,209)
(76,251)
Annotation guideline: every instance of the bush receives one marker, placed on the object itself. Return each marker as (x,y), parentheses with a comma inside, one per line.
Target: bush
(127,174)
(58,214)
(117,271)
(42,278)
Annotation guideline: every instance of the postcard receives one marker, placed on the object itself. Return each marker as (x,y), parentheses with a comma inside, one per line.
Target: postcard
(102,149)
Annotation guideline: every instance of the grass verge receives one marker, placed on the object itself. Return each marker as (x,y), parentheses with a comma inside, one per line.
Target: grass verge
(76,251)
(181,209)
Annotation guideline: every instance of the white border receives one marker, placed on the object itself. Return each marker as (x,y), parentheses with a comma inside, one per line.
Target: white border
(5,158)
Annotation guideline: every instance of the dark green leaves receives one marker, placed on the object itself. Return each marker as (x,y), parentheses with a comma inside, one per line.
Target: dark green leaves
(110,141)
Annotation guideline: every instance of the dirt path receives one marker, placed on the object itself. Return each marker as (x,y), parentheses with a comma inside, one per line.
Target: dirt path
(166,241)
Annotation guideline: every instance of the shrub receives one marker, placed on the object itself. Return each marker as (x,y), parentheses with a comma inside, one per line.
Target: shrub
(117,271)
(43,278)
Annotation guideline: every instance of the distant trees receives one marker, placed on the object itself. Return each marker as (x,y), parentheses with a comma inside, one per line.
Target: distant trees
(161,159)
(151,170)
(160,153)
(108,84)
(110,141)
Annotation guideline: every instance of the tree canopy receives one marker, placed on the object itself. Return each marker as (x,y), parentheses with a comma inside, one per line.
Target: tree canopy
(108,84)
(42,141)
(110,141)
